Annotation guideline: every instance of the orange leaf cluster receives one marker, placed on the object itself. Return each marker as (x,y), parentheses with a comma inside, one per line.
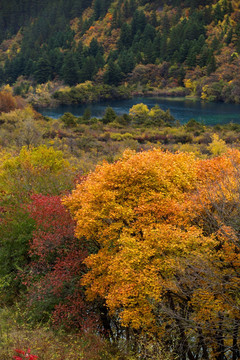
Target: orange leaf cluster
(166,226)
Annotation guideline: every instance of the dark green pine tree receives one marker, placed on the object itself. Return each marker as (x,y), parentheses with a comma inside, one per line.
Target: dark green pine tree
(136,44)
(109,115)
(237,27)
(200,42)
(237,36)
(166,24)
(218,13)
(153,19)
(138,57)
(87,114)
(238,46)
(175,58)
(229,36)
(2,76)
(207,15)
(126,10)
(184,49)
(181,76)
(225,7)
(211,66)
(139,22)
(204,56)
(70,69)
(2,28)
(193,29)
(93,48)
(177,17)
(18,65)
(30,67)
(157,45)
(113,56)
(125,40)
(80,54)
(43,70)
(99,59)
(126,61)
(97,9)
(215,43)
(77,8)
(230,8)
(56,59)
(149,54)
(89,69)
(12,70)
(115,19)
(132,6)
(104,6)
(174,42)
(163,47)
(112,75)
(192,56)
(149,33)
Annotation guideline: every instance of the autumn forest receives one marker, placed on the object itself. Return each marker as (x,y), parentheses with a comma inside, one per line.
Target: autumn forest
(119,235)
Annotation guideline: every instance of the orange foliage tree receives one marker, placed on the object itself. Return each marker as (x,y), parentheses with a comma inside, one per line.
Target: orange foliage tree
(216,209)
(133,210)
(9,102)
(163,251)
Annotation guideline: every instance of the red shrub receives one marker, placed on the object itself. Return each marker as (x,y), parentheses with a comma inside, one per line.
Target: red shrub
(57,265)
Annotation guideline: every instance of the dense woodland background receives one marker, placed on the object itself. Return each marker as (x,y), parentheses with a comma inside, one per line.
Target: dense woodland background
(119,236)
(192,46)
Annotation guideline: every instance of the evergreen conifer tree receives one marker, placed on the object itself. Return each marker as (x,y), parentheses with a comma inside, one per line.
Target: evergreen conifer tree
(112,75)
(70,70)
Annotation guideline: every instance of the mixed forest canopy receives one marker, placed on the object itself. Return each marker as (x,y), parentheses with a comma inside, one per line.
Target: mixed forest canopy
(189,44)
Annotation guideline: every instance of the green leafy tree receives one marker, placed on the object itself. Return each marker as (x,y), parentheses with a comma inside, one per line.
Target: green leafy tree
(109,115)
(69,120)
(16,232)
(87,114)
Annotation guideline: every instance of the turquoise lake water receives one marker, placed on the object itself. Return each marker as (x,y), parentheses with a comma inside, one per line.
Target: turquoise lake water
(181,109)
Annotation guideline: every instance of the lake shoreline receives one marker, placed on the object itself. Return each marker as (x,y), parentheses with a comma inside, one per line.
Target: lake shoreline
(116,94)
(181,108)
(178,92)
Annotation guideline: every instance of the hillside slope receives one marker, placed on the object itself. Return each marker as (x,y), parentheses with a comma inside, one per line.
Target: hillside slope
(152,46)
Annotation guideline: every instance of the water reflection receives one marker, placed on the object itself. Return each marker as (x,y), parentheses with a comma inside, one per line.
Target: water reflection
(181,109)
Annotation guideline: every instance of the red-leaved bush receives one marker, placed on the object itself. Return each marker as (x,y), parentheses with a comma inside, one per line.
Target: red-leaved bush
(56,267)
(27,355)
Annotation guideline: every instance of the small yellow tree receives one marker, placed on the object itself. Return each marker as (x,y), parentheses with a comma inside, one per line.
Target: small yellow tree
(139,113)
(217,146)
